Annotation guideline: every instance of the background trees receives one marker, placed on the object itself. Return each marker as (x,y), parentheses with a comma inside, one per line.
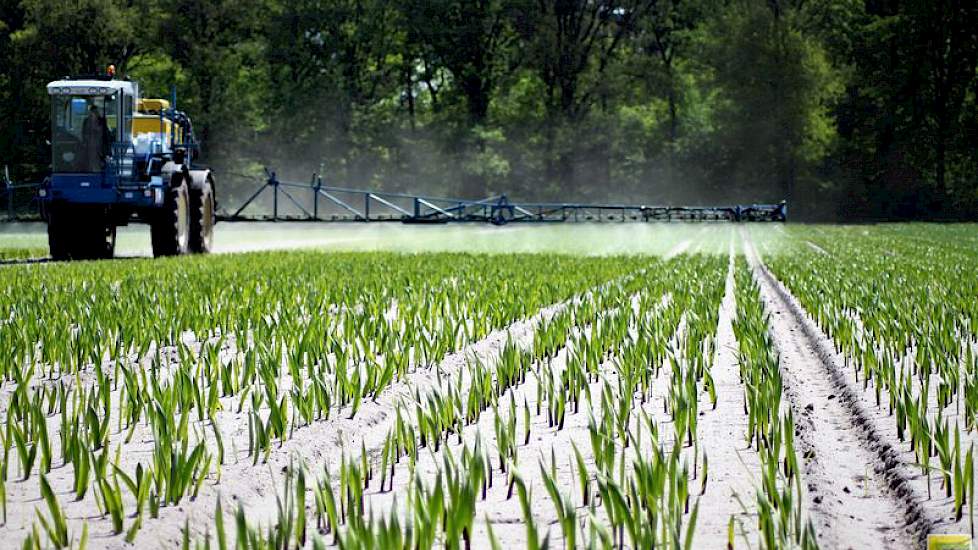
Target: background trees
(844,107)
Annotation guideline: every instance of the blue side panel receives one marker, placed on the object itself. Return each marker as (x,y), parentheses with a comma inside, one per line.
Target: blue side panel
(96,188)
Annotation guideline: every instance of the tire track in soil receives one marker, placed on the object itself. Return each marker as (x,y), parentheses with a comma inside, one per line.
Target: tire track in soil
(856,497)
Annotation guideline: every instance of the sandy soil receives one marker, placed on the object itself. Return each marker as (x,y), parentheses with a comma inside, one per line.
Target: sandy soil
(255,486)
(927,508)
(734,465)
(321,442)
(856,497)
(502,512)
(721,434)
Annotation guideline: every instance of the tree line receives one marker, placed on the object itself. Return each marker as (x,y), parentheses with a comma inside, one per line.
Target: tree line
(849,109)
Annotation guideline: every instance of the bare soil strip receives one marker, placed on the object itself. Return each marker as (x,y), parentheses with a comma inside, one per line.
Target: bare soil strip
(722,435)
(857,496)
(816,248)
(678,249)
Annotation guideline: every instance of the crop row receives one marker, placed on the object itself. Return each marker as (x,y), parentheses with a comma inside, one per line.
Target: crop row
(283,367)
(598,408)
(899,307)
(593,359)
(782,521)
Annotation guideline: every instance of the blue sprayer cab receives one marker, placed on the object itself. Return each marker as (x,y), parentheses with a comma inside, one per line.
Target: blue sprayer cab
(116,159)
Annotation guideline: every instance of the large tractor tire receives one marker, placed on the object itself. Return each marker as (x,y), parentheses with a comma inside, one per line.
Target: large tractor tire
(202,212)
(170,230)
(98,238)
(60,233)
(80,233)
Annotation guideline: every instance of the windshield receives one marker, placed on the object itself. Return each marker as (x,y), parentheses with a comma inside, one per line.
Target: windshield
(83,131)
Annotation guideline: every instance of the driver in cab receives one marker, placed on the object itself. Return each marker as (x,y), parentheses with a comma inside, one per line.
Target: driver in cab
(97,138)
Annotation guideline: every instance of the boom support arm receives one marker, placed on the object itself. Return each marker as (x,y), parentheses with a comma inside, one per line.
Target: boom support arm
(349,204)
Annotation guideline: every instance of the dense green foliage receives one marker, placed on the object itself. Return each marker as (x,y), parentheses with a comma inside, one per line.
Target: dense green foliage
(845,108)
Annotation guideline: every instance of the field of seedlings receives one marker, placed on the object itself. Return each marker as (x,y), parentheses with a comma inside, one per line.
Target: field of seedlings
(623,386)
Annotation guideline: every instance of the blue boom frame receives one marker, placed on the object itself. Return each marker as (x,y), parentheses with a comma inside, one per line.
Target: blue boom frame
(375,206)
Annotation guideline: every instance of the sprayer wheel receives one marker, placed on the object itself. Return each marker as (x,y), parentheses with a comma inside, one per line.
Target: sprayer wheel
(170,230)
(202,218)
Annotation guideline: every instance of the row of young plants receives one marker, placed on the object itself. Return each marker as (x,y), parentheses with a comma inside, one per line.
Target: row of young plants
(286,371)
(68,317)
(638,491)
(899,307)
(782,520)
(631,329)
(427,423)
(13,253)
(648,481)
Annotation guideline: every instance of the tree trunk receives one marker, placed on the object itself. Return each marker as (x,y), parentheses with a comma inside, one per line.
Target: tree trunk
(477,98)
(409,89)
(940,158)
(673,115)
